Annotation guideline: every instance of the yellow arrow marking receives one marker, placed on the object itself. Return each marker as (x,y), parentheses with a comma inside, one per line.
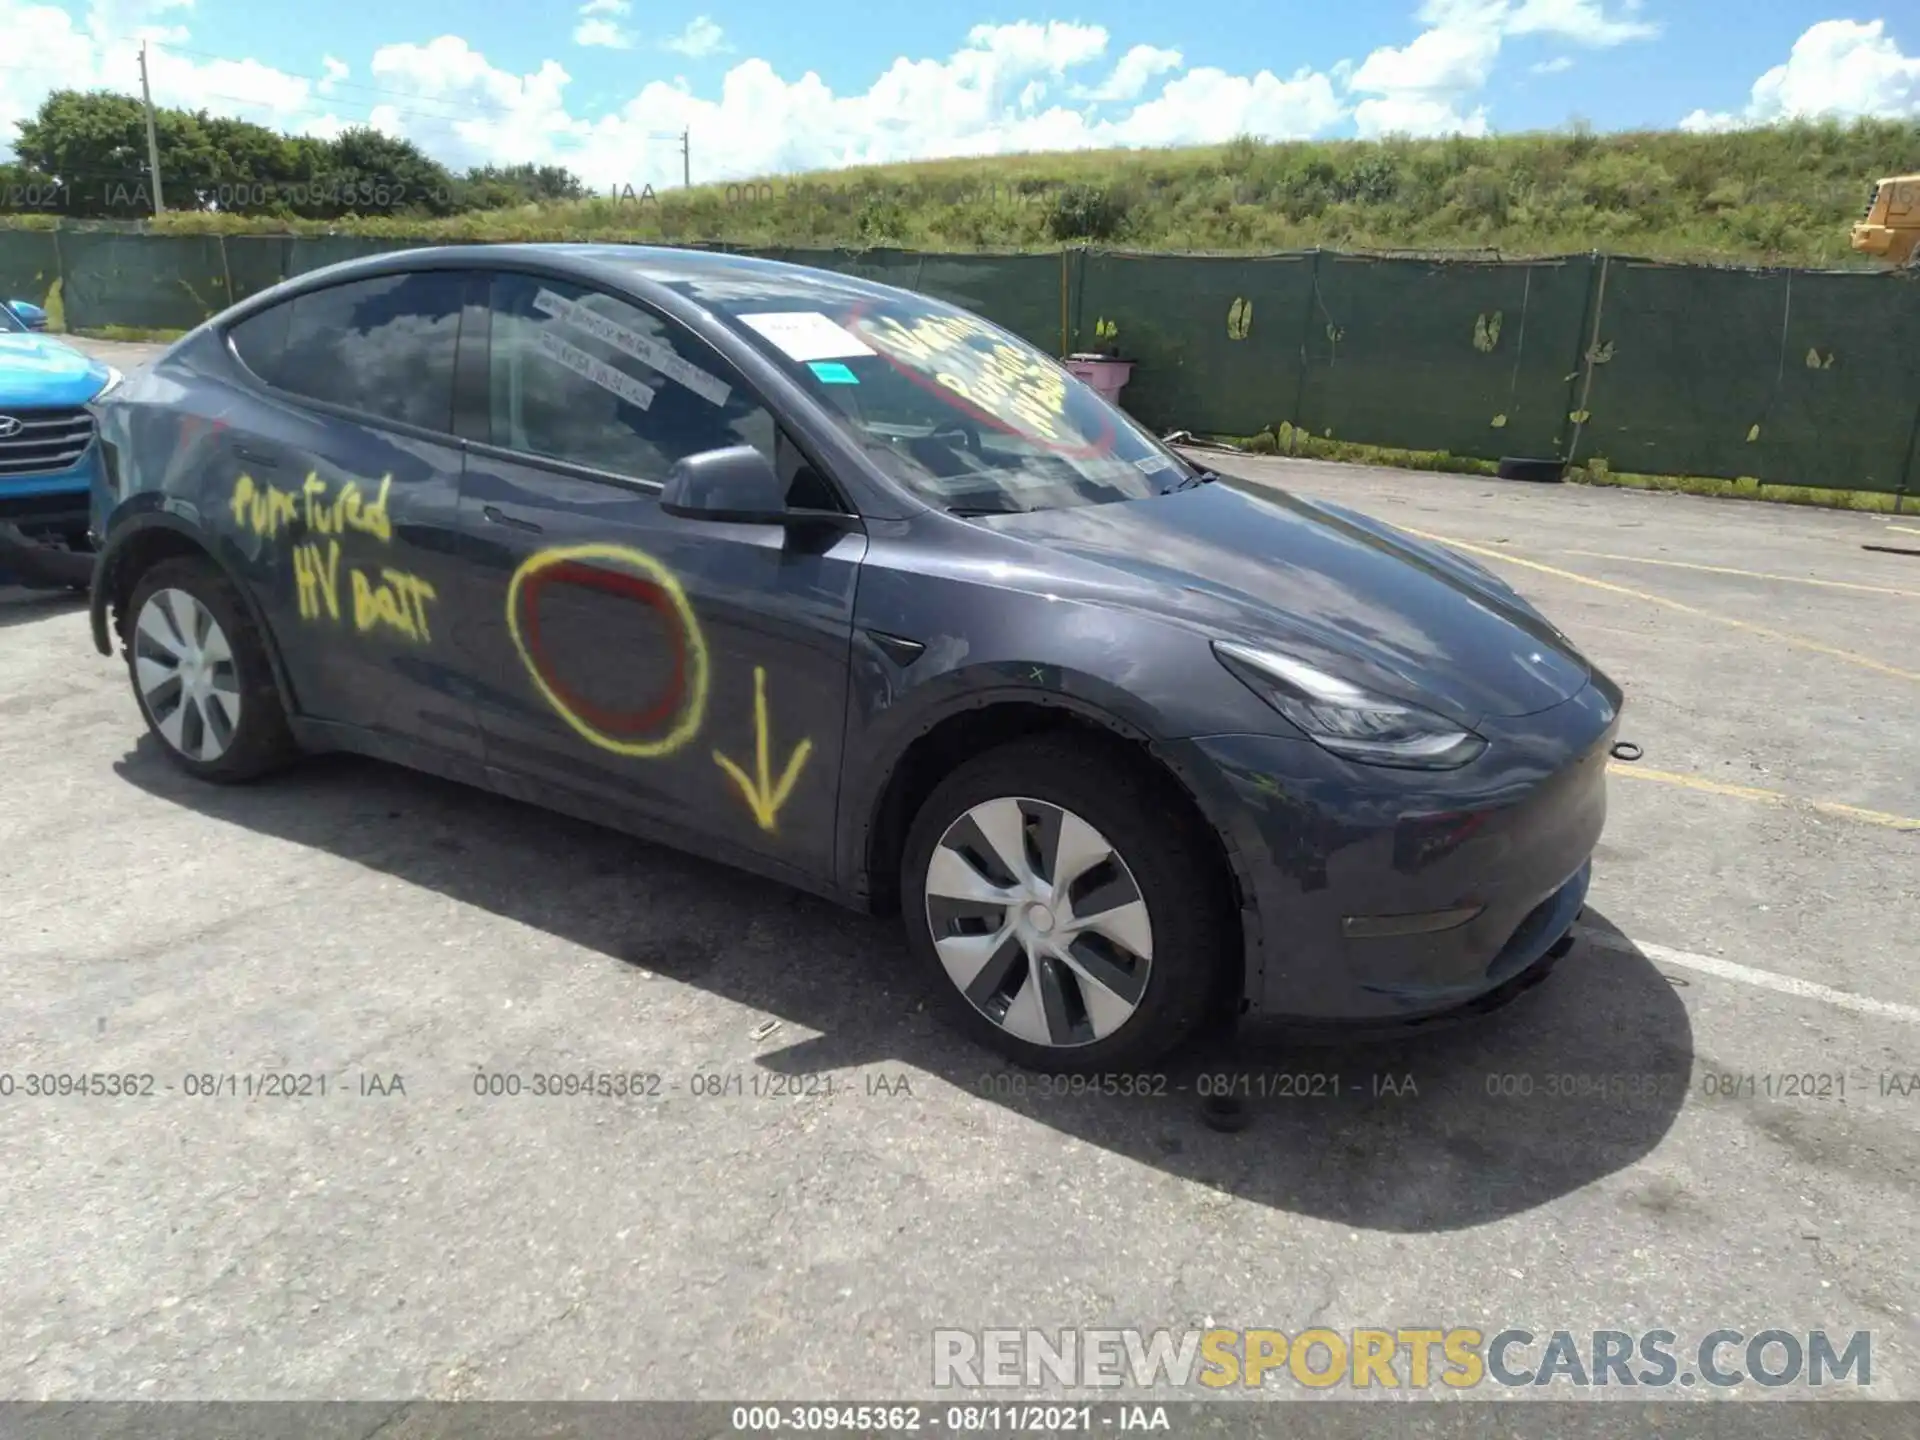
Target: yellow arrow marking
(763,796)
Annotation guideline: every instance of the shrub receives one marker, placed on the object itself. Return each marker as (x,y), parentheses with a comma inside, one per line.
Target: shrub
(1085,212)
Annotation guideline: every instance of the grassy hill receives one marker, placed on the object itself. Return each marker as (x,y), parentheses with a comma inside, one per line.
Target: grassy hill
(1783,195)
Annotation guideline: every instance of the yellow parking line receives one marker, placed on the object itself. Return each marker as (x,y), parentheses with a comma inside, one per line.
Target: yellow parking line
(1766,797)
(1798,641)
(1904,529)
(1750,574)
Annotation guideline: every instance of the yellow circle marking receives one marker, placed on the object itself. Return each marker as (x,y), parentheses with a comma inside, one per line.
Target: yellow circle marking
(693,708)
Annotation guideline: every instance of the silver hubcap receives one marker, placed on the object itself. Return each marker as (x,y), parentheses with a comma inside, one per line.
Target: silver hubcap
(1039,922)
(184,668)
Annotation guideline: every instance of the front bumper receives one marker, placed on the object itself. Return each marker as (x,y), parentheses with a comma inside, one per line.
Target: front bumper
(44,520)
(1385,895)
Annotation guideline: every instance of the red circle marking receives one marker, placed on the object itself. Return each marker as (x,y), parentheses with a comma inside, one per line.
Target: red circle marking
(619,724)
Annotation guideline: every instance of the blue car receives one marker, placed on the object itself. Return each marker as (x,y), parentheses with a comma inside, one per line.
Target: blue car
(48,456)
(29,314)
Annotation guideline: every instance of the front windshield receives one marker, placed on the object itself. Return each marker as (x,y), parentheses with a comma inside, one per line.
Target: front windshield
(9,320)
(967,415)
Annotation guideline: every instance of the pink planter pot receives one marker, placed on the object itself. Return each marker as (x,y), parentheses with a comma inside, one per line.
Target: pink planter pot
(1102,372)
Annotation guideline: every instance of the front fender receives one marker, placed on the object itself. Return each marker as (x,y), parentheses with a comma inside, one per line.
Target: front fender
(133,531)
(127,533)
(875,751)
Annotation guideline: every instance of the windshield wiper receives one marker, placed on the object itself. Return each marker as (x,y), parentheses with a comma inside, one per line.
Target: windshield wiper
(1187,482)
(974,512)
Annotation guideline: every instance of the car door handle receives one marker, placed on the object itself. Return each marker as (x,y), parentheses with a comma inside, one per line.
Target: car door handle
(497,516)
(258,461)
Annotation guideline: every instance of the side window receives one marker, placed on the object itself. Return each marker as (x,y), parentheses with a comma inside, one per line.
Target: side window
(383,346)
(580,376)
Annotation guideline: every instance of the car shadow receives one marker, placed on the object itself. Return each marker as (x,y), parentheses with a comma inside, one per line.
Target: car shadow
(1437,1130)
(20,605)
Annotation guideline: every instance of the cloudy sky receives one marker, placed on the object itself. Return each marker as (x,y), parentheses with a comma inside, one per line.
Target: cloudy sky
(766,86)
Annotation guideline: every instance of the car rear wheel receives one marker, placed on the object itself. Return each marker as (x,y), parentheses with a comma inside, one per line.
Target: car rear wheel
(1068,916)
(201,674)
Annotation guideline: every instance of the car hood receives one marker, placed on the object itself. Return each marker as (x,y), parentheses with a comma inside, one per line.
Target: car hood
(37,372)
(1332,587)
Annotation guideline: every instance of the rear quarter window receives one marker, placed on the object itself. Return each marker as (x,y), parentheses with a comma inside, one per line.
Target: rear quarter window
(260,340)
(383,347)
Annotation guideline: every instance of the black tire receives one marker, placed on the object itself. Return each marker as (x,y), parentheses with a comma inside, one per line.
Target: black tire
(261,741)
(1535,472)
(1174,862)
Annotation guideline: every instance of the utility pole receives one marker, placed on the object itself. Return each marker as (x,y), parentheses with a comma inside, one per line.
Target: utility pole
(153,140)
(686,158)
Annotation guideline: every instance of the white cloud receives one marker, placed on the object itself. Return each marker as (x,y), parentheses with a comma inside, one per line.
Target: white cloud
(1136,69)
(599,26)
(988,97)
(1703,122)
(1843,68)
(109,21)
(1208,106)
(602,34)
(701,38)
(1421,88)
(1560,64)
(464,111)
(92,52)
(1581,21)
(1427,86)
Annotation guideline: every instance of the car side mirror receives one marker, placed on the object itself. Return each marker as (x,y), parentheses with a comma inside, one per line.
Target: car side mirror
(30,315)
(737,485)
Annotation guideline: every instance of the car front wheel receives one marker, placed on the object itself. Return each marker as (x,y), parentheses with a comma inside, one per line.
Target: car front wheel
(201,674)
(1070,916)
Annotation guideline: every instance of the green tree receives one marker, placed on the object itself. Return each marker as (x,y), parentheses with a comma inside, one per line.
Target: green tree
(251,169)
(363,172)
(95,144)
(494,187)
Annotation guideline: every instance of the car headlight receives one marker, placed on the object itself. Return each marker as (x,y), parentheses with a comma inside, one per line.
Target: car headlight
(1348,720)
(114,377)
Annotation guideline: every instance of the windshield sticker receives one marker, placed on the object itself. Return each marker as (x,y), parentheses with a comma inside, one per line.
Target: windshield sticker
(632,391)
(631,342)
(982,367)
(832,372)
(807,335)
(1151,464)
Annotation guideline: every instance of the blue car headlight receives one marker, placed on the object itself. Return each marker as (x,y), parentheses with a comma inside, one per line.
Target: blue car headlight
(1348,719)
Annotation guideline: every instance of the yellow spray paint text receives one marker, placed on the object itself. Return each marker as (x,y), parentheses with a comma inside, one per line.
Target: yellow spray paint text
(398,601)
(348,510)
(263,509)
(317,575)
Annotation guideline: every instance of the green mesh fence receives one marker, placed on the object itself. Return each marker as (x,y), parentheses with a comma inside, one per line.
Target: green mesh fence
(151,282)
(1799,378)
(257,262)
(1215,342)
(29,265)
(1465,357)
(314,252)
